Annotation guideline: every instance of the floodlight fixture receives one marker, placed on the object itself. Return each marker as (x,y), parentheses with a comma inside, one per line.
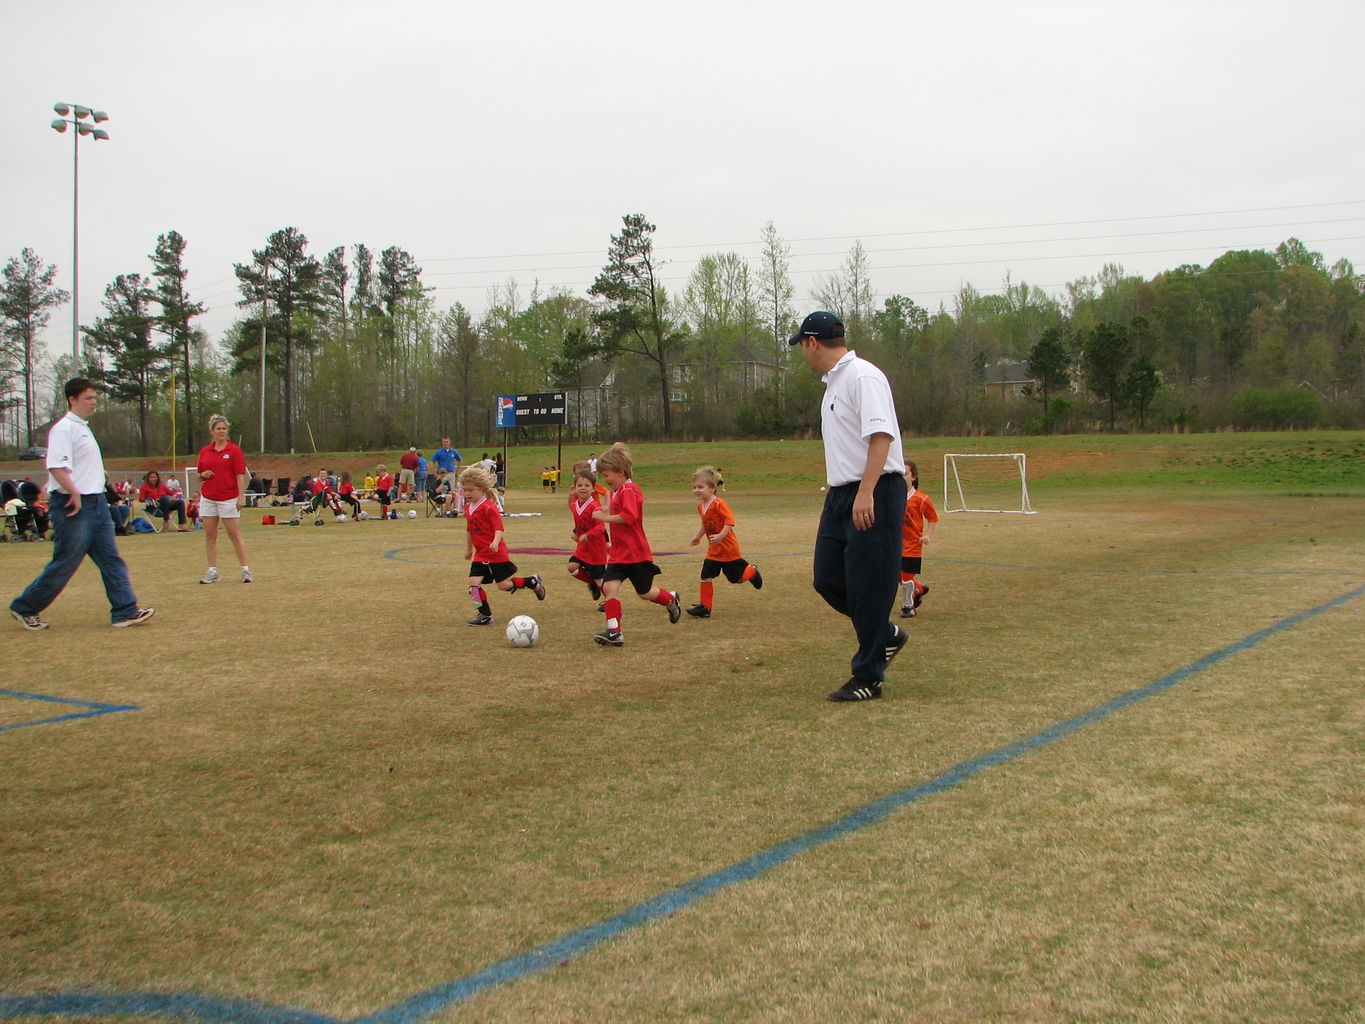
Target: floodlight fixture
(78,113)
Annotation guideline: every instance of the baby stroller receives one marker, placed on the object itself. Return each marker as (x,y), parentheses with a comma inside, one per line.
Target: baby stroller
(20,521)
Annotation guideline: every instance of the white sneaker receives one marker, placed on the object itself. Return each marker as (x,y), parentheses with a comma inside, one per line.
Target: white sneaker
(246,575)
(210,577)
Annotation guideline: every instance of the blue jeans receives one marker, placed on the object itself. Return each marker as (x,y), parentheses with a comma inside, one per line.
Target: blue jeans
(89,532)
(857,572)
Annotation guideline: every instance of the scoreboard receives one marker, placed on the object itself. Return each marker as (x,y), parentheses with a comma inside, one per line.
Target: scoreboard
(546,409)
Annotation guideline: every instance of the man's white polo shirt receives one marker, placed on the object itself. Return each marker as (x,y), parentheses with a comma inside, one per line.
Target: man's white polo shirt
(71,445)
(857,404)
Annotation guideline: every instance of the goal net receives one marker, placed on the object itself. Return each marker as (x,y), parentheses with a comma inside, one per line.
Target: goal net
(986,483)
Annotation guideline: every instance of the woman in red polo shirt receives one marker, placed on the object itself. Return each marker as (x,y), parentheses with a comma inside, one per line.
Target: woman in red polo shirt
(223,477)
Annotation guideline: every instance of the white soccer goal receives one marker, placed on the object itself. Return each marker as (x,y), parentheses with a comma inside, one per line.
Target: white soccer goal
(986,483)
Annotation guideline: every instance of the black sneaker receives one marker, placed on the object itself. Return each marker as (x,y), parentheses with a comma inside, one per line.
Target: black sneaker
(595,591)
(602,607)
(610,638)
(674,609)
(856,689)
(898,640)
(699,611)
(907,611)
(756,579)
(919,596)
(481,620)
(537,585)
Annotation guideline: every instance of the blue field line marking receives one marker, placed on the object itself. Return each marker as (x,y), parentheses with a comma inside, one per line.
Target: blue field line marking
(95,708)
(180,1006)
(212,1010)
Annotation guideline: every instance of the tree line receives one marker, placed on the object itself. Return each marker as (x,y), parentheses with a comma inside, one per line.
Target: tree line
(350,352)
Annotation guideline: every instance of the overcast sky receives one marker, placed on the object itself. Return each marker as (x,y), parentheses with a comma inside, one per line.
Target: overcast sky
(960,141)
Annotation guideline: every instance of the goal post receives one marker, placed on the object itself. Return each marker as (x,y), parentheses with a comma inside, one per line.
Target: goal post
(986,482)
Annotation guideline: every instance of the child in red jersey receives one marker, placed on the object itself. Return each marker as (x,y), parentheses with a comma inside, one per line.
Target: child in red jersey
(919,510)
(383,491)
(722,550)
(347,491)
(486,549)
(589,559)
(629,557)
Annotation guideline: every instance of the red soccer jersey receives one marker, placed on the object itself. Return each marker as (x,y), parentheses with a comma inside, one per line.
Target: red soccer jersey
(918,510)
(590,534)
(320,484)
(628,540)
(226,465)
(347,487)
(482,519)
(715,516)
(383,485)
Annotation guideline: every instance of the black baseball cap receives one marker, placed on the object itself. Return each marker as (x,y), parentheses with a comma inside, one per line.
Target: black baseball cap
(821,325)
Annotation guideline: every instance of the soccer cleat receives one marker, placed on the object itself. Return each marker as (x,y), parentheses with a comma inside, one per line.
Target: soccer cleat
(919,594)
(595,591)
(757,578)
(481,620)
(674,609)
(536,584)
(610,638)
(28,621)
(856,689)
(907,611)
(699,611)
(143,614)
(898,640)
(210,577)
(602,607)
(246,575)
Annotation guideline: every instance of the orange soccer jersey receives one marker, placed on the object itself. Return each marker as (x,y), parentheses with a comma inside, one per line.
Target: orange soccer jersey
(715,516)
(918,510)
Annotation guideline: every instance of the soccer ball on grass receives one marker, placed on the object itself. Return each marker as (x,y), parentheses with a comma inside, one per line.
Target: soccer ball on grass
(412,513)
(522,631)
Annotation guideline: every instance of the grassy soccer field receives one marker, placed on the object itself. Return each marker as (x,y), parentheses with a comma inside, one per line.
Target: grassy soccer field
(1116,776)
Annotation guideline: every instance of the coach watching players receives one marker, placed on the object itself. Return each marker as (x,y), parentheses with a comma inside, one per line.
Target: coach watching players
(858,546)
(80,518)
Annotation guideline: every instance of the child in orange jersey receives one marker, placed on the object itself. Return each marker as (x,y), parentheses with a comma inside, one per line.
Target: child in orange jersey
(589,559)
(722,551)
(630,556)
(920,520)
(486,549)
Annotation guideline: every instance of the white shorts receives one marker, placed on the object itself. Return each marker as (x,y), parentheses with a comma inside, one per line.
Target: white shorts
(222,509)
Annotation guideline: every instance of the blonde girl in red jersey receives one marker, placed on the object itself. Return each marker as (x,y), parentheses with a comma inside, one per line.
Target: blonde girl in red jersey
(589,559)
(920,519)
(630,556)
(486,548)
(722,550)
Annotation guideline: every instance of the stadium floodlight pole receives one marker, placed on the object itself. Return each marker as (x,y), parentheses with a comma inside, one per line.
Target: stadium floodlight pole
(77,119)
(265,306)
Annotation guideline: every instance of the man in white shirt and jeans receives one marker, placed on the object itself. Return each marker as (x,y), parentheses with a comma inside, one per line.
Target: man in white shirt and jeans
(858,545)
(80,518)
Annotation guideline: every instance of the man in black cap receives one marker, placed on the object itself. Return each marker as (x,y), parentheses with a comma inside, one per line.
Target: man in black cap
(858,546)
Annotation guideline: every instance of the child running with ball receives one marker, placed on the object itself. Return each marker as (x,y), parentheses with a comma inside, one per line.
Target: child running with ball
(630,556)
(722,548)
(486,548)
